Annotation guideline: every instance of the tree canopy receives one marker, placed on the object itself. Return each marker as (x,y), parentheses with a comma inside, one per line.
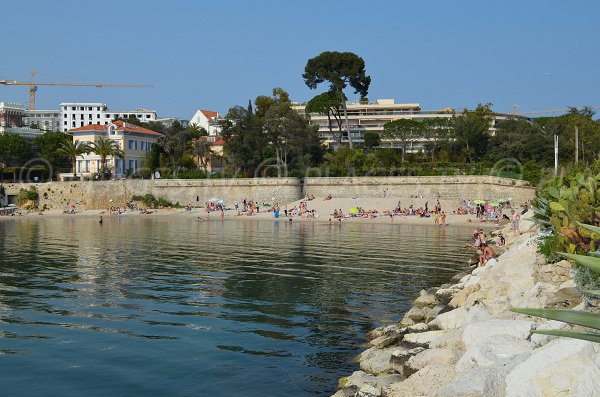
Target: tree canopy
(339,69)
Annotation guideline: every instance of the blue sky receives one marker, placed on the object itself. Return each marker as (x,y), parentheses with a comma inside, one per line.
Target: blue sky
(214,55)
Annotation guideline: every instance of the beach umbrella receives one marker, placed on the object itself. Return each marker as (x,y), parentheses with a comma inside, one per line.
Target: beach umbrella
(494,204)
(214,199)
(353,210)
(479,201)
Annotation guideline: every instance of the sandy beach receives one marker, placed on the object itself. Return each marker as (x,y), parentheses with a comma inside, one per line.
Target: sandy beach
(323,208)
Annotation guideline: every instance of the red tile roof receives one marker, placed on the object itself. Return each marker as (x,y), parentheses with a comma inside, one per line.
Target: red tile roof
(121,126)
(209,114)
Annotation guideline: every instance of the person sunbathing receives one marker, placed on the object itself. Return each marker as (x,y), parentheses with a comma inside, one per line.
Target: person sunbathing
(487,254)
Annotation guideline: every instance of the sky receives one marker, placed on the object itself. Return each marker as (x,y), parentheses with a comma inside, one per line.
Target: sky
(537,55)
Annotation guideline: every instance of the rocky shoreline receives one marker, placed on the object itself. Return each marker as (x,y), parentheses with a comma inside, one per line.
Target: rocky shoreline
(462,339)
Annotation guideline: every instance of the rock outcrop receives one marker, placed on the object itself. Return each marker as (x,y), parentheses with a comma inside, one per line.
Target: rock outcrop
(463,340)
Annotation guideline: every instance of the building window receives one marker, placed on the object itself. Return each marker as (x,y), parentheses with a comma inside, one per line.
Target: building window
(97,122)
(130,144)
(135,145)
(73,108)
(107,116)
(98,116)
(90,116)
(81,116)
(89,108)
(81,108)
(65,115)
(65,123)
(81,124)
(73,124)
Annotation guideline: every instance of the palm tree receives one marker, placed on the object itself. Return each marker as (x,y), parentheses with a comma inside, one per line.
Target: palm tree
(203,152)
(72,151)
(105,147)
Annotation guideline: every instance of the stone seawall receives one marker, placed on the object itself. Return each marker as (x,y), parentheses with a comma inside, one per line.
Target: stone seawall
(444,187)
(97,194)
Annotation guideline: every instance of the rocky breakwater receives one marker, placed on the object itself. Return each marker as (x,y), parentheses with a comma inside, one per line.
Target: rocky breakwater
(463,340)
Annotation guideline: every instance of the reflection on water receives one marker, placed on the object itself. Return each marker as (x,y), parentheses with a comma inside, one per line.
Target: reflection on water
(164,307)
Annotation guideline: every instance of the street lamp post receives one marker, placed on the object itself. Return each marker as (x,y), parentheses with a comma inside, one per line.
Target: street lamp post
(555,152)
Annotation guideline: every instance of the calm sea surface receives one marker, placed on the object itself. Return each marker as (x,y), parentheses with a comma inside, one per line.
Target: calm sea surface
(172,307)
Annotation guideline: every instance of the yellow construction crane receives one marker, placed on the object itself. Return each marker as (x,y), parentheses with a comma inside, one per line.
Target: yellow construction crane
(33,86)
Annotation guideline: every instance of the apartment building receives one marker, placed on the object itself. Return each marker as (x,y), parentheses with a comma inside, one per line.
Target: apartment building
(371,117)
(11,121)
(45,120)
(135,142)
(75,115)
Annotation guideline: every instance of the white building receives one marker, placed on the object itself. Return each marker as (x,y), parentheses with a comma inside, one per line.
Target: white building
(371,117)
(45,120)
(11,121)
(209,120)
(76,115)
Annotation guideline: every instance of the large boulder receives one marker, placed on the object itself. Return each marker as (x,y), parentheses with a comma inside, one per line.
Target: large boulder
(426,298)
(361,383)
(461,296)
(566,297)
(449,339)
(377,361)
(433,357)
(401,356)
(538,340)
(425,382)
(459,317)
(563,367)
(478,382)
(436,311)
(422,339)
(497,350)
(483,332)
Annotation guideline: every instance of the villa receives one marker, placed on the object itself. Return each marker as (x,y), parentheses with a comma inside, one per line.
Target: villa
(135,142)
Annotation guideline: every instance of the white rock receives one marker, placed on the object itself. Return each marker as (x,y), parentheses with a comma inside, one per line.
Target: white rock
(473,280)
(422,338)
(376,361)
(433,357)
(486,331)
(465,279)
(451,338)
(425,382)
(563,367)
(361,383)
(459,317)
(539,339)
(484,382)
(420,327)
(496,350)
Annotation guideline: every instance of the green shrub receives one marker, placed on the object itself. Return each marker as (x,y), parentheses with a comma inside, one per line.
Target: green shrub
(152,202)
(28,195)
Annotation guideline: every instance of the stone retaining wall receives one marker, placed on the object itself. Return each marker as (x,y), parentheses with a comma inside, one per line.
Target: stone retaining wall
(444,187)
(97,194)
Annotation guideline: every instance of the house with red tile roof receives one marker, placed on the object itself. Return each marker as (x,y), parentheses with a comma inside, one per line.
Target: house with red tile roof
(135,141)
(209,120)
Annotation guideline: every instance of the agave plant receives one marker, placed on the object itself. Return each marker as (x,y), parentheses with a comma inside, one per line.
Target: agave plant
(585,319)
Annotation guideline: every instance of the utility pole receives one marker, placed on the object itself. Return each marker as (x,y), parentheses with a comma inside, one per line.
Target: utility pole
(555,152)
(576,145)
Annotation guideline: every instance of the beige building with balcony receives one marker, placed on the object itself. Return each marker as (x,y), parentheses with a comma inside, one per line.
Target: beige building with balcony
(371,117)
(135,142)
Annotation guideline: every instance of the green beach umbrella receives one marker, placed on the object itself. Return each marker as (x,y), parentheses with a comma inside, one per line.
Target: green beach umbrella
(479,201)
(494,204)
(353,210)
